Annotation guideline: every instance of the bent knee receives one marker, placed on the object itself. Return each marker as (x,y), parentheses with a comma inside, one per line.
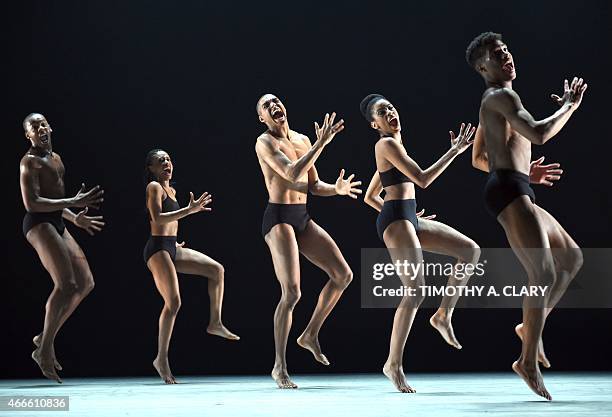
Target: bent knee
(218,271)
(291,295)
(471,253)
(343,278)
(572,261)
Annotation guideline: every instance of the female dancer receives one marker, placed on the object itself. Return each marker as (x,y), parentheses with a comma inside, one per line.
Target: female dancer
(402,233)
(165,257)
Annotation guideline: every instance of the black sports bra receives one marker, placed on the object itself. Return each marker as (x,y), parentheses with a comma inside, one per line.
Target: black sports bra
(392,176)
(168,204)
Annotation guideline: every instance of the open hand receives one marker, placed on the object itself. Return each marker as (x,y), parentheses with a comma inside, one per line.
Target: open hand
(326,133)
(429,217)
(92,198)
(195,206)
(544,174)
(346,187)
(90,224)
(572,94)
(464,140)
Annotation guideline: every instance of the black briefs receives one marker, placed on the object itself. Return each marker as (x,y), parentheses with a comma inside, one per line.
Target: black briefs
(157,243)
(295,215)
(53,217)
(396,210)
(503,187)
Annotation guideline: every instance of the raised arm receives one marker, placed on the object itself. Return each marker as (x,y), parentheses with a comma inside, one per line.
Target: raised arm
(480,159)
(155,194)
(290,170)
(396,154)
(372,196)
(507,103)
(32,200)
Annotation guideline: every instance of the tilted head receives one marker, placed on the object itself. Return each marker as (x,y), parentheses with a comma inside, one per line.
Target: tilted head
(37,130)
(271,110)
(158,166)
(381,114)
(490,57)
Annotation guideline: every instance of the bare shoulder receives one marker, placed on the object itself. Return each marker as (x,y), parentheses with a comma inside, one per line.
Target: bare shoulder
(30,161)
(154,187)
(499,97)
(300,138)
(386,143)
(264,141)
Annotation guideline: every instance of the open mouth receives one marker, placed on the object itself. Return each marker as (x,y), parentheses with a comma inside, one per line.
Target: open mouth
(44,138)
(168,170)
(508,67)
(394,122)
(277,115)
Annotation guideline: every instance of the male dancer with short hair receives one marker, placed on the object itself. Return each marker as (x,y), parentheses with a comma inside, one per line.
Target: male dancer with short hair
(42,190)
(503,148)
(287,162)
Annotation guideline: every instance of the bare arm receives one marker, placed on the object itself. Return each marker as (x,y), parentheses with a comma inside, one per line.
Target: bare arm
(480,159)
(290,170)
(507,103)
(32,200)
(396,154)
(155,194)
(372,195)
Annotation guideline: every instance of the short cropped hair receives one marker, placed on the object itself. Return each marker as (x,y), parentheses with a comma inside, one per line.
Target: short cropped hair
(479,45)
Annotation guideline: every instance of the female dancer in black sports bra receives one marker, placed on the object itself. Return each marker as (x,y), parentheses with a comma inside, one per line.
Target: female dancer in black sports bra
(165,257)
(403,234)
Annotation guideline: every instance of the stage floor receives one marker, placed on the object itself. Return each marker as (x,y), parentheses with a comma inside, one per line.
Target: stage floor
(447,395)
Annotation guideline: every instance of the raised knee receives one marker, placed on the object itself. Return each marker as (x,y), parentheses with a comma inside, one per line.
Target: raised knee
(344,278)
(576,261)
(219,271)
(291,295)
(87,287)
(472,254)
(173,305)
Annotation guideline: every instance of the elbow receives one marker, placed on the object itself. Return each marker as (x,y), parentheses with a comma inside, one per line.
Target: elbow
(423,181)
(539,137)
(31,205)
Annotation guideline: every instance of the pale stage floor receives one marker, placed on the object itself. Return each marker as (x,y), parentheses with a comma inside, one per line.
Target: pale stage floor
(448,395)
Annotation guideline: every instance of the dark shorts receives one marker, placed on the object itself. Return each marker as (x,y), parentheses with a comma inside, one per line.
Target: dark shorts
(503,187)
(396,210)
(157,243)
(53,217)
(294,215)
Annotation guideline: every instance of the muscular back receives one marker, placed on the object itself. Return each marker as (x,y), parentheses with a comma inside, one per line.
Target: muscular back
(505,147)
(281,190)
(42,176)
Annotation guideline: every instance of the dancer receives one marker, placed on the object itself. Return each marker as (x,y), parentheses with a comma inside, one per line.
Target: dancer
(43,194)
(403,234)
(504,138)
(287,162)
(165,257)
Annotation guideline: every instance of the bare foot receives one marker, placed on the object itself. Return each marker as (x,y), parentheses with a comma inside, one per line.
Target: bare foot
(221,330)
(37,340)
(541,355)
(282,378)
(444,326)
(533,379)
(163,369)
(396,375)
(46,365)
(312,344)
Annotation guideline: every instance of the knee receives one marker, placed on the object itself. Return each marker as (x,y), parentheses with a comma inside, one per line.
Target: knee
(87,287)
(173,305)
(291,295)
(472,253)
(219,272)
(575,261)
(343,278)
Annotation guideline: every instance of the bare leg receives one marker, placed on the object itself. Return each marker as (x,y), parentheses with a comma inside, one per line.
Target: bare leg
(285,257)
(320,249)
(403,244)
(58,255)
(568,261)
(164,274)
(189,261)
(439,238)
(526,233)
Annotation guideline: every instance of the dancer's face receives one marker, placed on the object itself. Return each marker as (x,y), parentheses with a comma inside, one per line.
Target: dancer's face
(498,65)
(38,131)
(271,110)
(385,117)
(161,166)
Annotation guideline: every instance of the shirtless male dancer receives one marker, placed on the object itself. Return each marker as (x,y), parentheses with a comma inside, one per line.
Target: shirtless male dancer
(42,190)
(503,148)
(287,162)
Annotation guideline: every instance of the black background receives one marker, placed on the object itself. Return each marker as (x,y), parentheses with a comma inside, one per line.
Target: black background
(116,79)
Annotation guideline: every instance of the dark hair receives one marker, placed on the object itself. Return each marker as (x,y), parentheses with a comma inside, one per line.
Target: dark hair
(148,175)
(367,103)
(477,48)
(28,118)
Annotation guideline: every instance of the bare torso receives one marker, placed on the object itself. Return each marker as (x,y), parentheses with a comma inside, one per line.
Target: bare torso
(50,172)
(279,189)
(506,148)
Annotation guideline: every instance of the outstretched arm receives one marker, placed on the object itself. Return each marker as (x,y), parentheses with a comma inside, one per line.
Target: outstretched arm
(372,196)
(507,103)
(32,200)
(396,154)
(155,194)
(290,170)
